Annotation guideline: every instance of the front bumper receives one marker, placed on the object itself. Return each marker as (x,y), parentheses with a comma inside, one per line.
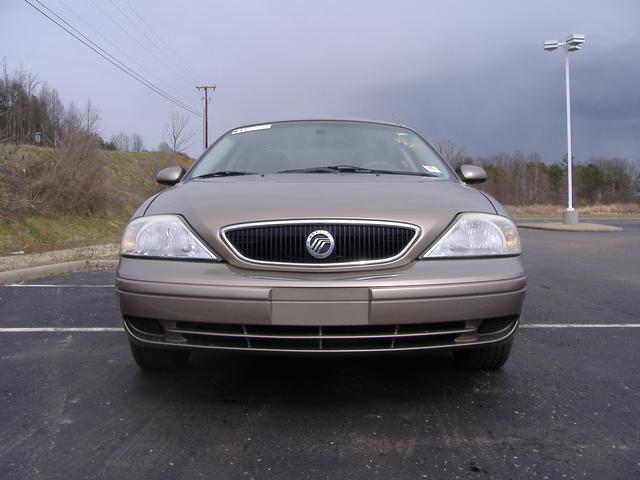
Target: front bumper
(424,305)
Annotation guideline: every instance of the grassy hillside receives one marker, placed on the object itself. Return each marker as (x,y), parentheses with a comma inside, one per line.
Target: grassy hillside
(34,228)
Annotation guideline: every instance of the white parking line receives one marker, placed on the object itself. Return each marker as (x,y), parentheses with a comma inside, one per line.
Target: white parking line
(60,329)
(120,329)
(580,325)
(27,285)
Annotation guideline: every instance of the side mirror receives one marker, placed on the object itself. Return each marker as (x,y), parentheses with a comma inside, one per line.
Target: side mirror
(170,175)
(472,174)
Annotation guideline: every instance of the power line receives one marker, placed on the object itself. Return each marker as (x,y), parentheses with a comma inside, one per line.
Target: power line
(135,39)
(152,30)
(151,40)
(106,39)
(115,62)
(112,57)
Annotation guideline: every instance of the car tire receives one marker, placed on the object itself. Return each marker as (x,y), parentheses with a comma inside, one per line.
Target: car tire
(485,358)
(151,358)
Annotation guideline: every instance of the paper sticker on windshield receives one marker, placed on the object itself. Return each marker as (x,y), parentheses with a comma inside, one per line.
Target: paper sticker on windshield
(403,139)
(250,129)
(431,169)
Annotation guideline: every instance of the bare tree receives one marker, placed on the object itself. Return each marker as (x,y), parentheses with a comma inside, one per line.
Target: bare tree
(19,108)
(163,147)
(452,153)
(54,113)
(122,141)
(137,145)
(175,133)
(91,117)
(72,122)
(31,83)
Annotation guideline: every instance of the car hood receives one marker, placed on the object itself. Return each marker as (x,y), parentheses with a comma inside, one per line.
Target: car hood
(430,203)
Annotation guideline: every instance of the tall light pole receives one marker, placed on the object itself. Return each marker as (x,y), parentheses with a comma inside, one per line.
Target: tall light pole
(573,43)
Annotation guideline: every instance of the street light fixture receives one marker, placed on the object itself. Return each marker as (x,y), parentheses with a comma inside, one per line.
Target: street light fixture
(573,43)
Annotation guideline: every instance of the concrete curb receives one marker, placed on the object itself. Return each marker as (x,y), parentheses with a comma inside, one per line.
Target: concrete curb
(31,273)
(583,216)
(580,227)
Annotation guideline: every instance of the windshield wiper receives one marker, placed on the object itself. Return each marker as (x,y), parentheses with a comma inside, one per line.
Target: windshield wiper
(353,169)
(223,173)
(402,172)
(329,169)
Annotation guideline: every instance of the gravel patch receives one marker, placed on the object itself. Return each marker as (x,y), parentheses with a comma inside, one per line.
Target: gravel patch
(579,227)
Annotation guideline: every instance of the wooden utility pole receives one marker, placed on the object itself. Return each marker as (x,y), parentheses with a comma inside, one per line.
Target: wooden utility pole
(206,89)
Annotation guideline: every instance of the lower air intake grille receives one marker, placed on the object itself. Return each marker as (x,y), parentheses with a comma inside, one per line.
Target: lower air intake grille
(348,338)
(327,338)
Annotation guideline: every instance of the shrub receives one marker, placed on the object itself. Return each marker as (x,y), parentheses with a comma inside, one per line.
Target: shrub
(73,180)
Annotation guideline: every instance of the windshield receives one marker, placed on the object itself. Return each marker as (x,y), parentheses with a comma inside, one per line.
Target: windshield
(279,147)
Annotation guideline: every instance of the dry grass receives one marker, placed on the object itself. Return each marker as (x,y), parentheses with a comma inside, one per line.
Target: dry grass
(614,209)
(78,179)
(132,175)
(43,210)
(32,231)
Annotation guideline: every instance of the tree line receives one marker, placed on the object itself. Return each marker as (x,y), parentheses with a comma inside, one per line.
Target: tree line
(525,179)
(32,113)
(27,106)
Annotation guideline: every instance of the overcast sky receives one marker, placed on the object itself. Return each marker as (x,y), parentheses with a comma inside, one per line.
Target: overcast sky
(469,71)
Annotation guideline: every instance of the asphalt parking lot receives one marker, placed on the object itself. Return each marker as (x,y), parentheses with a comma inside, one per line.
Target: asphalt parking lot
(567,405)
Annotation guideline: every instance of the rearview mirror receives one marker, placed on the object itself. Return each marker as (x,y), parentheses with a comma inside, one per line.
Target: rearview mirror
(170,175)
(472,174)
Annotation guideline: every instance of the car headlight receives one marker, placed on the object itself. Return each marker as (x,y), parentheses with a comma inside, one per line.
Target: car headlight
(477,235)
(163,236)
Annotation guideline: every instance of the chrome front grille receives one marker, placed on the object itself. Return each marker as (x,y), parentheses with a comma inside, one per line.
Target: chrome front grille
(284,242)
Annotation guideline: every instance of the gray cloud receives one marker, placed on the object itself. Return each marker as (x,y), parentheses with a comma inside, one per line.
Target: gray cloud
(473,72)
